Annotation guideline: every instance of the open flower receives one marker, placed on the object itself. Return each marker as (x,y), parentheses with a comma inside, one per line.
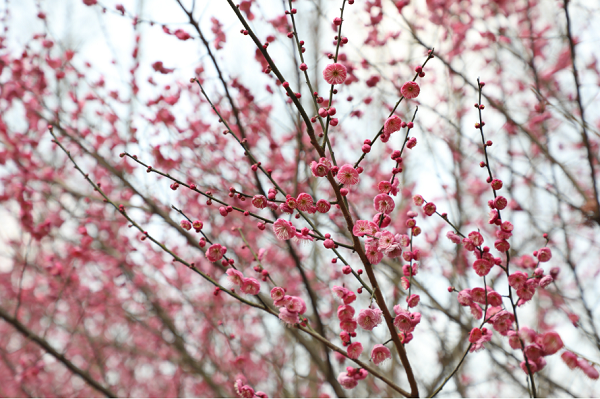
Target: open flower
(383,203)
(392,124)
(347,175)
(380,353)
(369,318)
(335,74)
(410,90)
(283,230)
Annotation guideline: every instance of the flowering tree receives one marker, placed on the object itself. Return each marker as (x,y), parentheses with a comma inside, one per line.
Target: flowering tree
(299,198)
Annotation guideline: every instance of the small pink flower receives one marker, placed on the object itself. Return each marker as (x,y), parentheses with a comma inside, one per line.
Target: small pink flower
(544,254)
(413,300)
(344,294)
(465,298)
(235,276)
(185,224)
(502,245)
(288,317)
(482,267)
(532,366)
(403,321)
(259,201)
(369,318)
(588,369)
(329,243)
(496,184)
(362,227)
(345,312)
(380,353)
(405,283)
(250,286)
(546,281)
(318,169)
(502,321)
(283,230)
(373,254)
(386,239)
(215,252)
(291,202)
(517,280)
(429,208)
(418,200)
(323,206)
(383,203)
(392,124)
(334,74)
(455,238)
(347,175)
(500,202)
(551,343)
(304,202)
(478,295)
(513,340)
(246,392)
(476,238)
(348,325)
(475,335)
(384,187)
(346,381)
(494,299)
(476,311)
(277,293)
(385,222)
(533,352)
(410,90)
(570,359)
(354,350)
(198,225)
(296,305)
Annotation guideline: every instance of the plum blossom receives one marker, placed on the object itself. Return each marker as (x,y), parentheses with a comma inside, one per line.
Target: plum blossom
(347,175)
(277,293)
(288,317)
(296,305)
(283,229)
(215,252)
(235,276)
(410,90)
(544,254)
(373,254)
(354,350)
(362,227)
(369,318)
(482,267)
(304,202)
(517,280)
(319,169)
(485,335)
(346,381)
(344,294)
(383,203)
(334,74)
(392,124)
(380,353)
(551,343)
(323,206)
(259,201)
(345,312)
(250,286)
